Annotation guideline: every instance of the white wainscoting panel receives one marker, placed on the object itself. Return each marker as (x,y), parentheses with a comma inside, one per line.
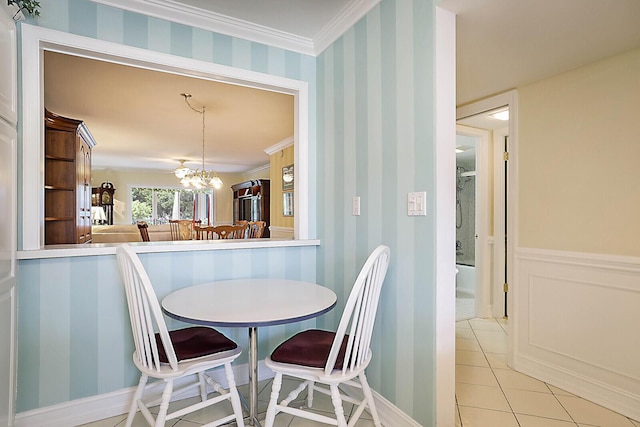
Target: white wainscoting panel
(577,324)
(281,232)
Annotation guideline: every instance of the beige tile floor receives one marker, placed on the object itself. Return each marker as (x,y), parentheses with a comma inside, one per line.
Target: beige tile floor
(489,394)
(321,404)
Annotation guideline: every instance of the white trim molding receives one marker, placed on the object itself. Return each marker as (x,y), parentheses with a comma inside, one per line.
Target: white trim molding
(197,17)
(8,68)
(578,314)
(346,19)
(445,227)
(279,146)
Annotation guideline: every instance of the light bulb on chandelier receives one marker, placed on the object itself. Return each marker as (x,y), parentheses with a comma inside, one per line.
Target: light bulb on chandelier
(198,178)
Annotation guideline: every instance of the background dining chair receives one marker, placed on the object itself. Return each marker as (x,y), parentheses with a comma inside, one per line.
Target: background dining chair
(172,355)
(256,229)
(182,229)
(230,231)
(240,231)
(143,227)
(325,360)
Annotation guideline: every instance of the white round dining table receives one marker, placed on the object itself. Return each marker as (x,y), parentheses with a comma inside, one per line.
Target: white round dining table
(250,303)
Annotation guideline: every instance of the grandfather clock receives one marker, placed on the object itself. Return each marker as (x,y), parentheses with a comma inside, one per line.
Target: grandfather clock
(103,197)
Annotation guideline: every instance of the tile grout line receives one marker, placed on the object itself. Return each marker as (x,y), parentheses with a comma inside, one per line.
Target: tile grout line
(502,388)
(493,372)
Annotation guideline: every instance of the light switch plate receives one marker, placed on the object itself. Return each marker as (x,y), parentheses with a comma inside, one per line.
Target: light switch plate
(417,203)
(355,208)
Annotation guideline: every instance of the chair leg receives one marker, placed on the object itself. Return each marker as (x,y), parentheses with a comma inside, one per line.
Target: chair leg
(136,396)
(275,393)
(369,396)
(164,404)
(337,405)
(310,385)
(235,397)
(203,386)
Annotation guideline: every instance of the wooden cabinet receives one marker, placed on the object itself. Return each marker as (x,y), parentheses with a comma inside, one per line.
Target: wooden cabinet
(67,180)
(251,202)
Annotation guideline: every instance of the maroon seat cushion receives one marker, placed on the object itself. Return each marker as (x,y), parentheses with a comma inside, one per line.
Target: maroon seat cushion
(193,342)
(309,348)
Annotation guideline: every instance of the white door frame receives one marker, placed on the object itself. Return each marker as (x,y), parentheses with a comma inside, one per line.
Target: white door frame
(482,259)
(509,99)
(8,209)
(498,223)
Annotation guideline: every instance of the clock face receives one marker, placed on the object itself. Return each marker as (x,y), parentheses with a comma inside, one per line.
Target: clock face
(287,177)
(106,198)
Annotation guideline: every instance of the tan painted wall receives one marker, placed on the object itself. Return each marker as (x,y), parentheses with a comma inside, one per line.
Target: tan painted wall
(278,161)
(122,181)
(579,149)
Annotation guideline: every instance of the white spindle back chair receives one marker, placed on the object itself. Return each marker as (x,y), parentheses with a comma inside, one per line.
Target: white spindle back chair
(344,363)
(157,356)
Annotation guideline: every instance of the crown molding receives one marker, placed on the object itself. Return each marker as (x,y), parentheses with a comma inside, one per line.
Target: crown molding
(215,22)
(279,146)
(258,169)
(346,19)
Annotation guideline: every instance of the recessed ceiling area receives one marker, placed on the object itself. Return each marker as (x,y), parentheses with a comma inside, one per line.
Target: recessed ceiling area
(140,120)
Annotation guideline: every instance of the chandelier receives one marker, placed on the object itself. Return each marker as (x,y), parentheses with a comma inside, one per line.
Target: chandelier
(198,178)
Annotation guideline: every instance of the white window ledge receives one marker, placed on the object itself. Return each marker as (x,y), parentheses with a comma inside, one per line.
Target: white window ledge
(67,251)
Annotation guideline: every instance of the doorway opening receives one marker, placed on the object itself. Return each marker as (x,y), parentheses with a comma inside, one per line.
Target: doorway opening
(481,214)
(466,172)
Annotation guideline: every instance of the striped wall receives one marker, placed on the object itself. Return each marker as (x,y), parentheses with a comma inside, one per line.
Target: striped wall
(376,141)
(371,131)
(73,328)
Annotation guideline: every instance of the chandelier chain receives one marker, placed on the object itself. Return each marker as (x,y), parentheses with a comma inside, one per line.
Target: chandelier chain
(200,177)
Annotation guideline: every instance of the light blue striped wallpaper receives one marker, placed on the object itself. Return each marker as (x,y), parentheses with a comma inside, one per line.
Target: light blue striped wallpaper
(74,334)
(371,125)
(376,141)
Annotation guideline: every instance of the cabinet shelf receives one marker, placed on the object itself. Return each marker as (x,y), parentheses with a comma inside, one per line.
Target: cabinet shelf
(58,158)
(56,188)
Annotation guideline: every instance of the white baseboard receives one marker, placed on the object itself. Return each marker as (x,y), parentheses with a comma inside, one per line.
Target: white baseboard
(94,408)
(599,392)
(90,409)
(391,415)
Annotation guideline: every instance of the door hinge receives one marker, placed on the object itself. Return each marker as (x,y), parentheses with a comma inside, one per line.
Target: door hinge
(506,156)
(506,287)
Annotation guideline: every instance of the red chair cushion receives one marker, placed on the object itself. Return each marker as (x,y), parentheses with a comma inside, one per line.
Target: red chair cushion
(193,342)
(309,348)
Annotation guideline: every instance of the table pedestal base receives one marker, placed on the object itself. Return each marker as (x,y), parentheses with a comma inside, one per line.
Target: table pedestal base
(253,377)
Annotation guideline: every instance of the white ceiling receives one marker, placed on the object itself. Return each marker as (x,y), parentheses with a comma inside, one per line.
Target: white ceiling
(504,44)
(140,120)
(501,44)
